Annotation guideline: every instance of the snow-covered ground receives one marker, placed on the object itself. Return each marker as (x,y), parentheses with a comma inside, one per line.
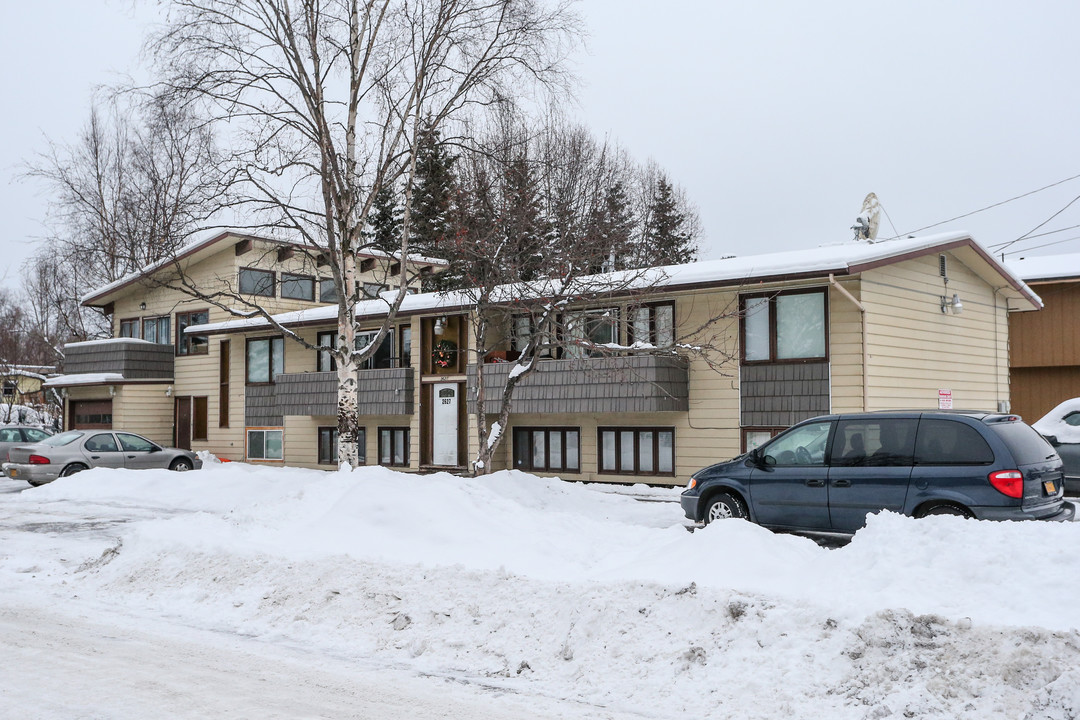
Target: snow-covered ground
(244,591)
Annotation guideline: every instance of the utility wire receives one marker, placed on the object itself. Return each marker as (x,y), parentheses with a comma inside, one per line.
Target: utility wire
(1037,247)
(1025,235)
(990,207)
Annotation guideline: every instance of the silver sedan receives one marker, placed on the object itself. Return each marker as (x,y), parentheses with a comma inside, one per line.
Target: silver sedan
(76,450)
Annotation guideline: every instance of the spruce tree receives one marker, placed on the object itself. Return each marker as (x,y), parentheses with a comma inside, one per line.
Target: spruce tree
(668,240)
(433,191)
(384,223)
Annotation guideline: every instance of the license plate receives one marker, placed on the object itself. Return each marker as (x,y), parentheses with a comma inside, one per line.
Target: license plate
(1049,486)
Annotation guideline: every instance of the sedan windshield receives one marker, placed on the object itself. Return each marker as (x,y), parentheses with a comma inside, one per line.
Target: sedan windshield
(63,438)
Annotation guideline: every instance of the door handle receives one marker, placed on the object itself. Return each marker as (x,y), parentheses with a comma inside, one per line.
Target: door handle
(815,483)
(95,457)
(841,483)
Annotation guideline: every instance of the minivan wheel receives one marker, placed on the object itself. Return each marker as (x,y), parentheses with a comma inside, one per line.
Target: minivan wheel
(944,509)
(723,507)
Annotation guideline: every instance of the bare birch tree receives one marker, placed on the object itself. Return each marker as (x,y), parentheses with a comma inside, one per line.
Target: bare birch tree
(324,101)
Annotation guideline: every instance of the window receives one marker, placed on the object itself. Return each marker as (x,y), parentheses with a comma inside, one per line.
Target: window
(328,445)
(129,328)
(257,282)
(34,435)
(756,437)
(156,330)
(264,444)
(547,449)
(803,445)
(394,446)
(637,451)
(10,435)
(372,290)
(588,330)
(524,328)
(199,420)
(191,344)
(135,443)
(383,357)
(224,368)
(784,326)
(948,442)
(325,361)
(265,359)
(653,325)
(104,442)
(877,442)
(11,387)
(297,287)
(328,291)
(405,350)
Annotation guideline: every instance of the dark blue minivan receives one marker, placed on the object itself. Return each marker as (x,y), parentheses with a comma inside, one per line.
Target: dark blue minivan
(826,474)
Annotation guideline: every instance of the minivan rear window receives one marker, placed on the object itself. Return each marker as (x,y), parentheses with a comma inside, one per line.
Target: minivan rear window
(1027,446)
(950,442)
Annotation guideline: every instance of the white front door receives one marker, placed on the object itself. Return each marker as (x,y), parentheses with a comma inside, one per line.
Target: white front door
(444,422)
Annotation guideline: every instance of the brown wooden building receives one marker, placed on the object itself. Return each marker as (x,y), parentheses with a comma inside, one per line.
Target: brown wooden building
(1044,346)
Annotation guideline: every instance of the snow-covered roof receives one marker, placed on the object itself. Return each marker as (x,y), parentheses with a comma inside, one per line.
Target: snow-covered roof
(1046,267)
(83,379)
(843,258)
(109,341)
(203,243)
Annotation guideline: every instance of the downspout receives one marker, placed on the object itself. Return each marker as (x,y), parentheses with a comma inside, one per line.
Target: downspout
(865,343)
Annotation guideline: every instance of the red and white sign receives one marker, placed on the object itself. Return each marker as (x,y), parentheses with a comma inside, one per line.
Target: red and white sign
(944,399)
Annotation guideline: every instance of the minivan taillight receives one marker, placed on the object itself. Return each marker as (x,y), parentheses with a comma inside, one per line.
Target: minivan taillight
(1008,482)
(39,460)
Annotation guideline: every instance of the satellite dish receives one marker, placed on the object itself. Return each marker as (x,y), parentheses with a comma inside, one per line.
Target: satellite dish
(866,224)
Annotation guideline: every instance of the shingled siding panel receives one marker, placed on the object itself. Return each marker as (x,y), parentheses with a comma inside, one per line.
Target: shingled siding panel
(261,406)
(782,395)
(133,360)
(381,392)
(633,384)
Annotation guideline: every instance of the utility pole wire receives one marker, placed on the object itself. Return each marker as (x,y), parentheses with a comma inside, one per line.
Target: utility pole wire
(990,207)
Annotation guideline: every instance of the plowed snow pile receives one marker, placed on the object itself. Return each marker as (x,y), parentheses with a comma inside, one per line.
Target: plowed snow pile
(565,591)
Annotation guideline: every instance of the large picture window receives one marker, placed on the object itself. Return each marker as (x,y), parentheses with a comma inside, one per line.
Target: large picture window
(784,326)
(637,451)
(265,444)
(327,291)
(257,282)
(547,449)
(394,446)
(297,287)
(191,344)
(265,359)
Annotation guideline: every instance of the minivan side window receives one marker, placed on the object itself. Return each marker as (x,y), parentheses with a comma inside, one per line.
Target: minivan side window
(877,442)
(803,445)
(948,442)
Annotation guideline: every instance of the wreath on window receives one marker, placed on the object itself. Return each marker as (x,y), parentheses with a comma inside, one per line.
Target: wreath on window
(445,354)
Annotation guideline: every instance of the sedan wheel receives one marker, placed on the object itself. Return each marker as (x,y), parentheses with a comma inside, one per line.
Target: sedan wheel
(181,465)
(72,469)
(724,506)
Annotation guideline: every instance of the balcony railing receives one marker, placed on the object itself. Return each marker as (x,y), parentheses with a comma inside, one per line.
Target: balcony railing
(630,384)
(381,392)
(133,359)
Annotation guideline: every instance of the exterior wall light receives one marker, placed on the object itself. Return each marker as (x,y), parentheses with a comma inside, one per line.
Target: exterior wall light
(952,304)
(142,306)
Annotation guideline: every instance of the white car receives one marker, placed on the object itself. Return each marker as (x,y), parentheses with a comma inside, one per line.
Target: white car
(1061,426)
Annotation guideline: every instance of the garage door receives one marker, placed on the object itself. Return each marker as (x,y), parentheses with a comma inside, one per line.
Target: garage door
(90,414)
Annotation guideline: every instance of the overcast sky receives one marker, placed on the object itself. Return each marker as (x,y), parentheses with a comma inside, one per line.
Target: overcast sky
(776,117)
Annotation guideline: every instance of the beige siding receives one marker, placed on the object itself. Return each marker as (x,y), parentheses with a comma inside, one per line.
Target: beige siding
(916,350)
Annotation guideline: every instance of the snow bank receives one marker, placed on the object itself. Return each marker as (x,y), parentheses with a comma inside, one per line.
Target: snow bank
(535,585)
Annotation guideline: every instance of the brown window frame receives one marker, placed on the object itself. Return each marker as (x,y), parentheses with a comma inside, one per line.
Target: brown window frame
(200,420)
(653,324)
(773,431)
(393,430)
(637,430)
(224,370)
(270,356)
(327,439)
(321,355)
(135,323)
(156,321)
(287,277)
(547,430)
(772,296)
(263,271)
(183,341)
(264,429)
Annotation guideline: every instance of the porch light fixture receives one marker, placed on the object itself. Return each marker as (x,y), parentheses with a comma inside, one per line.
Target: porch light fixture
(168,391)
(142,306)
(440,324)
(112,391)
(952,304)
